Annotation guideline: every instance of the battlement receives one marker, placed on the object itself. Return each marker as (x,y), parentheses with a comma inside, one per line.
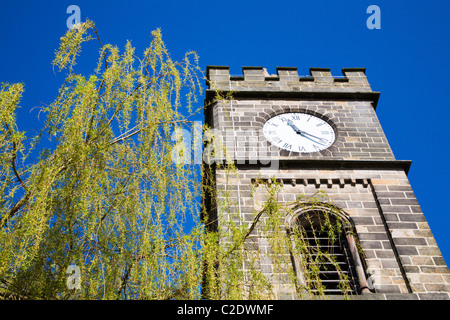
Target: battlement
(287,79)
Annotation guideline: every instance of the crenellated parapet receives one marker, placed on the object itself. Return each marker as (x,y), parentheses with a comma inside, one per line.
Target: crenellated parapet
(287,79)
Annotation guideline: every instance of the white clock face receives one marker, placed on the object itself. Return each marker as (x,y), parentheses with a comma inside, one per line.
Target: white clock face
(299,132)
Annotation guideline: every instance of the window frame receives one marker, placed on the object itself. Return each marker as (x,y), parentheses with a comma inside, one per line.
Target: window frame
(298,216)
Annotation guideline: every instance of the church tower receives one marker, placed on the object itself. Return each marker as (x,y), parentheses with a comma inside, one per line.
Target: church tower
(313,135)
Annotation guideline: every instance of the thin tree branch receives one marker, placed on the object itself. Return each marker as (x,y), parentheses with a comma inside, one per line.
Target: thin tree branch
(23,201)
(125,280)
(13,161)
(249,231)
(101,45)
(19,204)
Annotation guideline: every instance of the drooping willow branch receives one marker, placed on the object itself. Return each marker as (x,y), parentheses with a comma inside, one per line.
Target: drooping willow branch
(13,161)
(237,244)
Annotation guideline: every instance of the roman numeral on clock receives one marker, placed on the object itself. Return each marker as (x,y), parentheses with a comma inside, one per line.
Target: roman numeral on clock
(287,146)
(299,132)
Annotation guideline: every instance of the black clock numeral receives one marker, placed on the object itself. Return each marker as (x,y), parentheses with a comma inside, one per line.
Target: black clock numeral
(318,132)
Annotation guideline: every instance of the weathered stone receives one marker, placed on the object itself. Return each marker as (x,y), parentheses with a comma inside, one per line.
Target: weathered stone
(358,172)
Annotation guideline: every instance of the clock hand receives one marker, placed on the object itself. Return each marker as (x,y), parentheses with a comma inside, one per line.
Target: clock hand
(303,133)
(292,125)
(312,139)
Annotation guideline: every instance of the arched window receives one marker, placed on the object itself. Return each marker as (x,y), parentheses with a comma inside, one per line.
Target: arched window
(324,252)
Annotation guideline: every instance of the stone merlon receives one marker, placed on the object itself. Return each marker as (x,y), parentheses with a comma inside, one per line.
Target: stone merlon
(287,79)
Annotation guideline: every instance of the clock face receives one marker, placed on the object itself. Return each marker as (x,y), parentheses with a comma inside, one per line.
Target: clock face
(299,132)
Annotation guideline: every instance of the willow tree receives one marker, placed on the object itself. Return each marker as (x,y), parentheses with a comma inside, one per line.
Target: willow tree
(115,206)
(106,205)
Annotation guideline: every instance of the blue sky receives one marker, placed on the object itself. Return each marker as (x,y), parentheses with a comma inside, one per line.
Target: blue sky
(407,60)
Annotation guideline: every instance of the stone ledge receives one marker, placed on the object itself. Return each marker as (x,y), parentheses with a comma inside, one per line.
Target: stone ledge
(393,296)
(330,164)
(275,93)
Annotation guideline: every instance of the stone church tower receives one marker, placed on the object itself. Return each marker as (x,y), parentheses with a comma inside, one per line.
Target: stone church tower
(322,133)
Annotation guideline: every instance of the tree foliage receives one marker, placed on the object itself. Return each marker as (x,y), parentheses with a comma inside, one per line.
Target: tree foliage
(107,198)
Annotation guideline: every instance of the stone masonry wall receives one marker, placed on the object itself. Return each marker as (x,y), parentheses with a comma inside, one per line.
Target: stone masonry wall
(287,79)
(359,133)
(398,245)
(402,257)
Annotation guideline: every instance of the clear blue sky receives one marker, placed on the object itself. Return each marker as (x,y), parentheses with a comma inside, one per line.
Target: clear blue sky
(407,60)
